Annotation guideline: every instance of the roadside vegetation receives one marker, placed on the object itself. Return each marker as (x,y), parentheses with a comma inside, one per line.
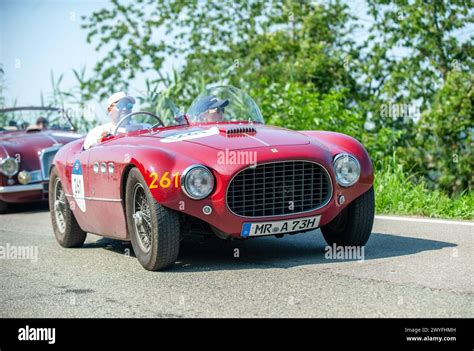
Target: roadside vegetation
(399,78)
(398,192)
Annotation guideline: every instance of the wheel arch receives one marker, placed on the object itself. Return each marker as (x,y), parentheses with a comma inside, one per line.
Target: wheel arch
(123,185)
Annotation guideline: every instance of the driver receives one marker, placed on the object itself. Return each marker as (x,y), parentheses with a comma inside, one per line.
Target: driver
(118,105)
(42,123)
(211,109)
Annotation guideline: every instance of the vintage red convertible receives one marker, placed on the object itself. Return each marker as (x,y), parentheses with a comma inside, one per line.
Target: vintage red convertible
(29,139)
(217,169)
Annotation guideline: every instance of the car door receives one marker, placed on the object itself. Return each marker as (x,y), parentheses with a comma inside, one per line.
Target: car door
(106,163)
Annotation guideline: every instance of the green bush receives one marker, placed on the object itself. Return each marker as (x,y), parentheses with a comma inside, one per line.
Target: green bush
(398,192)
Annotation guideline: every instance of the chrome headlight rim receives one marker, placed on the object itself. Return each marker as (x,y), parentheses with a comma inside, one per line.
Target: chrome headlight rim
(9,159)
(356,161)
(186,173)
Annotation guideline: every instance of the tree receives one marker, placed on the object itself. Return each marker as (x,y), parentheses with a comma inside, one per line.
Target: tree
(415,55)
(446,135)
(418,45)
(246,43)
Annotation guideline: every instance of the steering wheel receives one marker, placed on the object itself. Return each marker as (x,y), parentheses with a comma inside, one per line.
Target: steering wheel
(124,118)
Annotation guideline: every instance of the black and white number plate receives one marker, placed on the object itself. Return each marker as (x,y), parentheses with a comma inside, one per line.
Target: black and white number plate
(279,227)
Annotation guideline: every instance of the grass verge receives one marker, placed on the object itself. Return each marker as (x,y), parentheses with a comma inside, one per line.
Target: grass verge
(396,194)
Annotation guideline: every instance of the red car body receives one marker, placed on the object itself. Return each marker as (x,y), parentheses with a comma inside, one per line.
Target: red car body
(34,150)
(221,171)
(104,186)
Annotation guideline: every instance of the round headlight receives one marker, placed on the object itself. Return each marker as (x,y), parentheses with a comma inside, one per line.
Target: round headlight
(24,177)
(347,169)
(197,182)
(9,166)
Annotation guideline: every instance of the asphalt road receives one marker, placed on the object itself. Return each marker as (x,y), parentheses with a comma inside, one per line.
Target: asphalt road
(412,268)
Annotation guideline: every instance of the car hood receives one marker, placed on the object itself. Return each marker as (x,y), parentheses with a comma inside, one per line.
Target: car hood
(233,136)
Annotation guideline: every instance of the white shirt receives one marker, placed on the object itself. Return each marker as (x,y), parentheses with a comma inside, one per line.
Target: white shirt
(96,134)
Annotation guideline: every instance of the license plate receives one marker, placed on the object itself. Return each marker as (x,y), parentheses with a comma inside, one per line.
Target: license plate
(279,227)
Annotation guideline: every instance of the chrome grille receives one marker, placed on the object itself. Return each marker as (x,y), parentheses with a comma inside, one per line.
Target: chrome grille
(279,188)
(46,158)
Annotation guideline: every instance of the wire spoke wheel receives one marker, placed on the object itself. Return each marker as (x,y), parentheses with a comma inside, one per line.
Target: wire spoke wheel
(60,205)
(154,230)
(67,231)
(141,217)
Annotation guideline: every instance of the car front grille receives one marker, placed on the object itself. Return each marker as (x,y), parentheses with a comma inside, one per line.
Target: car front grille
(46,158)
(279,188)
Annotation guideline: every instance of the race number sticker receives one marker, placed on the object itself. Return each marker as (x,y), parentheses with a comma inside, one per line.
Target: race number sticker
(77,180)
(195,134)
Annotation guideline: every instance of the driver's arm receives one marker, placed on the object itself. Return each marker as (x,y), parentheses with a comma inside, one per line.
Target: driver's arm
(94,137)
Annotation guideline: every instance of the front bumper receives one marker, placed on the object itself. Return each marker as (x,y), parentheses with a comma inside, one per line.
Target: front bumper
(20,188)
(24,193)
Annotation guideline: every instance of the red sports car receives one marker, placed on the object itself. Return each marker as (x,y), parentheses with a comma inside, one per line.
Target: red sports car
(29,139)
(217,169)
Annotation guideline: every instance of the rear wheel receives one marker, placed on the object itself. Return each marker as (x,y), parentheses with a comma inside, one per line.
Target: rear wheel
(154,229)
(353,226)
(66,229)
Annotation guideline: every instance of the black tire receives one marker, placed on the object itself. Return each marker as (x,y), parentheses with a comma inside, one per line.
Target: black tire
(353,226)
(66,229)
(3,207)
(154,230)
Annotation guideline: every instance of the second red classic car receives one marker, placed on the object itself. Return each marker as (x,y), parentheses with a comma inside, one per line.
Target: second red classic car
(217,169)
(29,139)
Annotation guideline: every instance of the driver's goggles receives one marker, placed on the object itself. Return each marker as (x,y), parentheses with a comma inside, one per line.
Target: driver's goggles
(124,105)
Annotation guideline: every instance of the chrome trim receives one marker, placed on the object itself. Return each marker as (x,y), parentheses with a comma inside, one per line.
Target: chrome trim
(20,188)
(338,156)
(111,167)
(89,198)
(62,112)
(183,181)
(36,176)
(54,148)
(287,214)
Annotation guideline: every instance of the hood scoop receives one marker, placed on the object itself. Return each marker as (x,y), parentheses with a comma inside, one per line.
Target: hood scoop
(238,131)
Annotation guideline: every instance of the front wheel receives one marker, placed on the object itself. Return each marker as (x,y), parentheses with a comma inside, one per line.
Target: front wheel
(154,229)
(66,229)
(353,226)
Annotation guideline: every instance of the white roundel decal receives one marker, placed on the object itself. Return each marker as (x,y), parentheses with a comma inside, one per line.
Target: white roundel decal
(77,180)
(194,134)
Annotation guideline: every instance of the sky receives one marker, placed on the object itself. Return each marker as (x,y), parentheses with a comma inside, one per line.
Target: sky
(38,37)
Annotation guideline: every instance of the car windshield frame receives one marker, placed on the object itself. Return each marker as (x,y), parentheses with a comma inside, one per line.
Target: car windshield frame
(61,113)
